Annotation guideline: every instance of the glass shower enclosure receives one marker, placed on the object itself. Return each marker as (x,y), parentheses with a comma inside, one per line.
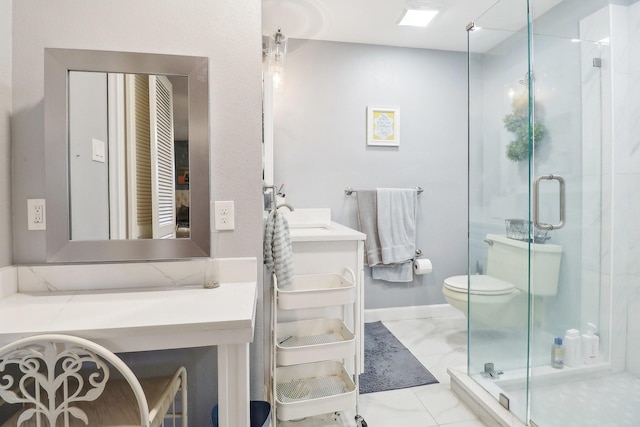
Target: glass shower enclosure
(554,180)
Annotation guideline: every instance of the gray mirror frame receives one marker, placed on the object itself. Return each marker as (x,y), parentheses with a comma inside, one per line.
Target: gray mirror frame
(57,64)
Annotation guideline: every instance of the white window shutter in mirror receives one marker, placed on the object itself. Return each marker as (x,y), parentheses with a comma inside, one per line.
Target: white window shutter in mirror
(139,156)
(162,157)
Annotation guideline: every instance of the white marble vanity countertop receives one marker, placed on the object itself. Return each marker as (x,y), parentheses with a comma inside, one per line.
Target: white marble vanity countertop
(315,225)
(136,319)
(332,232)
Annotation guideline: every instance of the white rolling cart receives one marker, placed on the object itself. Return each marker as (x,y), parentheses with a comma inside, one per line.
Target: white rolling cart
(315,361)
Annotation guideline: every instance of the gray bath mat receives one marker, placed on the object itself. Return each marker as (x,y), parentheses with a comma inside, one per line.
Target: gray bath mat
(389,365)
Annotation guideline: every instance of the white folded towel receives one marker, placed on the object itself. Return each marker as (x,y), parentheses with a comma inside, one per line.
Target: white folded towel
(397,231)
(278,252)
(393,272)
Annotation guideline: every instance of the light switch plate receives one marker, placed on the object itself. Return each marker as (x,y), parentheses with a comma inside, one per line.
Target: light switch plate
(99,150)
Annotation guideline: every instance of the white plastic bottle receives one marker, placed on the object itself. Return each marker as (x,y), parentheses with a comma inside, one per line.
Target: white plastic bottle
(590,345)
(572,348)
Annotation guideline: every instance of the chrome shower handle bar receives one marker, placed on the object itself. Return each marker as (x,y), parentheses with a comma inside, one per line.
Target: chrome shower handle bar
(536,202)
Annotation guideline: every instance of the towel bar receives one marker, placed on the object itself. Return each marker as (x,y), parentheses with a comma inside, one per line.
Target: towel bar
(349,191)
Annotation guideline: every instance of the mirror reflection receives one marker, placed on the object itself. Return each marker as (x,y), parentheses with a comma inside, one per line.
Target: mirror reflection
(128,156)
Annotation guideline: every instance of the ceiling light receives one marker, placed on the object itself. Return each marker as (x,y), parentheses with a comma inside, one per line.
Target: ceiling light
(417,17)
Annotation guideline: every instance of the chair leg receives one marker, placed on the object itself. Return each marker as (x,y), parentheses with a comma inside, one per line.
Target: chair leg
(184,385)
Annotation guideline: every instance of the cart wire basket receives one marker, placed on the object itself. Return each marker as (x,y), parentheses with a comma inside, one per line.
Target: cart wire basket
(524,230)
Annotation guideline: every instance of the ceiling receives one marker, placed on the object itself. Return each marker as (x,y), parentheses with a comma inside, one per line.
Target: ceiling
(374,21)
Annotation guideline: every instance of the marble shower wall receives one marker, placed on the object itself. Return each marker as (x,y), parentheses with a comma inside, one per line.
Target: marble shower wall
(626,89)
(620,151)
(620,293)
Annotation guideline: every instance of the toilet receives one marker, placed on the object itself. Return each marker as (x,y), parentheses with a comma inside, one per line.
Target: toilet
(498,295)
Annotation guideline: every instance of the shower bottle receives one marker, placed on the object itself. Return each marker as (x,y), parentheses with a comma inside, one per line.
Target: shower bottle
(572,348)
(557,354)
(590,345)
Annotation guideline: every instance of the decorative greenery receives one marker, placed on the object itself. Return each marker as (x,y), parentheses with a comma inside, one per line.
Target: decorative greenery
(518,123)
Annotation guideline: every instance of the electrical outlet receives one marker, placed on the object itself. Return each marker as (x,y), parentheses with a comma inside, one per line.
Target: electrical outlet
(36,214)
(224,215)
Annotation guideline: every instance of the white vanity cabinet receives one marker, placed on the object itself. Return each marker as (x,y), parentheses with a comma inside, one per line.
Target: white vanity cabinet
(317,326)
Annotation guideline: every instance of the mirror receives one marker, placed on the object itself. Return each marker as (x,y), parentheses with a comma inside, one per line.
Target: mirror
(127,156)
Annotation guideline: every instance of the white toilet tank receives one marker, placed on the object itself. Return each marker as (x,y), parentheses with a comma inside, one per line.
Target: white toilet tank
(507,259)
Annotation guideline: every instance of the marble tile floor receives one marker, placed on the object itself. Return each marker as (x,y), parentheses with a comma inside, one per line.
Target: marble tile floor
(438,343)
(608,401)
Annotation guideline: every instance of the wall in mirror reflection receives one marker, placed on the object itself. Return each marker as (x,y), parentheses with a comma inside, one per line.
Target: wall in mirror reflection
(128,156)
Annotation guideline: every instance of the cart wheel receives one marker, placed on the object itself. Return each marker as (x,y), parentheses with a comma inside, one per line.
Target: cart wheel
(360,422)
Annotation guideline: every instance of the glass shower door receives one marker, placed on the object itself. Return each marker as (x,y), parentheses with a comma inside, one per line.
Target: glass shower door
(569,50)
(499,198)
(537,178)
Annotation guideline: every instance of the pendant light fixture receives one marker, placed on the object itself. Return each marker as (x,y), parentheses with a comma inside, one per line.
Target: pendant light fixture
(276,55)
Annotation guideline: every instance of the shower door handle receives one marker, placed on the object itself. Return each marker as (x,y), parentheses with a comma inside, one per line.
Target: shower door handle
(536,202)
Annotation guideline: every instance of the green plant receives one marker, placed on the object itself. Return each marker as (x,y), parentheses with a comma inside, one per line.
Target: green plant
(518,123)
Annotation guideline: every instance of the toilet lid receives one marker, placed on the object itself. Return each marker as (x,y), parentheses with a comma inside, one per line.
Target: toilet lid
(480,285)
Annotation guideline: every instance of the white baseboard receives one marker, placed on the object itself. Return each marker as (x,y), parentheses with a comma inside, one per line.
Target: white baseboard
(414,312)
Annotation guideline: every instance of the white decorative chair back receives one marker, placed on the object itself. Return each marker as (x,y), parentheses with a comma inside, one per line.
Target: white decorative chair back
(52,373)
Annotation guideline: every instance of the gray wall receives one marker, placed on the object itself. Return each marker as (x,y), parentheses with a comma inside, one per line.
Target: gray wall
(229,33)
(6,233)
(88,179)
(216,29)
(320,145)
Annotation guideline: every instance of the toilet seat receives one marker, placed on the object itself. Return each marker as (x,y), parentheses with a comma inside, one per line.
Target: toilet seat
(480,285)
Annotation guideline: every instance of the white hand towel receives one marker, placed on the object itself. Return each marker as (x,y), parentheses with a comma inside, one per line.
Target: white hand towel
(393,272)
(397,231)
(397,224)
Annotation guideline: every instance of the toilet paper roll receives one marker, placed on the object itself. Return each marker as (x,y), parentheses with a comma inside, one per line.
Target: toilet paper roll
(422,266)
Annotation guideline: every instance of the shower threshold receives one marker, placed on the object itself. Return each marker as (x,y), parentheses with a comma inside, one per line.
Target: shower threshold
(481,395)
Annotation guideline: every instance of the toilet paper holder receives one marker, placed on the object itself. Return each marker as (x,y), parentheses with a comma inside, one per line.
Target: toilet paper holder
(421,265)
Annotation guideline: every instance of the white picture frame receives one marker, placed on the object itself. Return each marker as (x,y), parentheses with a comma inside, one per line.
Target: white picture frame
(383,126)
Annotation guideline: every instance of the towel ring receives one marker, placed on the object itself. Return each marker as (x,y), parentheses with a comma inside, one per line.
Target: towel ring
(285,205)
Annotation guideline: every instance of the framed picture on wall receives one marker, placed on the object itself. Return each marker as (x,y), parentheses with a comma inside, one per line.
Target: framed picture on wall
(383,126)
